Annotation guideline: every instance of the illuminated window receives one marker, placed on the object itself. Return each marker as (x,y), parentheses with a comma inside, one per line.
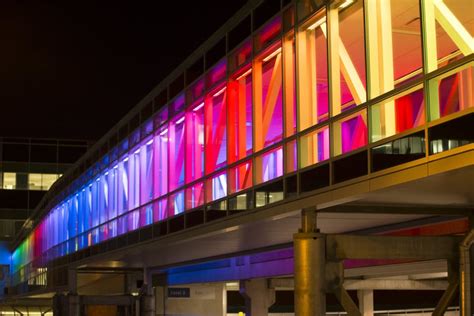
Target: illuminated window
(452,92)
(176,153)
(134,179)
(269,165)
(176,203)
(291,157)
(195,196)
(240,115)
(215,128)
(48,180)
(393,43)
(195,142)
(146,172)
(9,180)
(240,177)
(35,181)
(398,114)
(312,72)
(160,210)
(314,147)
(268,123)
(448,31)
(160,178)
(347,58)
(350,133)
(41,181)
(216,187)
(289,83)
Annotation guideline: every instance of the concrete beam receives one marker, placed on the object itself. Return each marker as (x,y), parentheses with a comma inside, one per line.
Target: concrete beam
(412,269)
(340,247)
(398,209)
(372,284)
(124,300)
(27,302)
(375,284)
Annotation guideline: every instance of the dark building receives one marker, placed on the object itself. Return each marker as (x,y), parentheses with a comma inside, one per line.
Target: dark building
(28,169)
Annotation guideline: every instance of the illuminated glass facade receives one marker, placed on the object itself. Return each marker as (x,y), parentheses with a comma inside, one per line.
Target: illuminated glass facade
(354,85)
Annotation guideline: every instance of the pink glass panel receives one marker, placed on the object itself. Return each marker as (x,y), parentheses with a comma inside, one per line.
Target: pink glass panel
(195,196)
(215,128)
(195,142)
(240,177)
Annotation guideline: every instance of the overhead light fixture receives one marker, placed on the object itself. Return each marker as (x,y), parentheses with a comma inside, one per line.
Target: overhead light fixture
(181,120)
(319,22)
(218,93)
(273,54)
(346,3)
(244,74)
(197,108)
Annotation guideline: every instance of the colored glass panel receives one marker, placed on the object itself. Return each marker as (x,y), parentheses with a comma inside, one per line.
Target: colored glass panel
(195,142)
(291,156)
(215,129)
(160,210)
(216,74)
(146,171)
(176,203)
(240,115)
(289,83)
(216,187)
(240,177)
(314,147)
(160,168)
(270,32)
(269,165)
(176,153)
(195,196)
(268,116)
(350,133)
(452,92)
(393,44)
(347,58)
(134,180)
(312,74)
(409,112)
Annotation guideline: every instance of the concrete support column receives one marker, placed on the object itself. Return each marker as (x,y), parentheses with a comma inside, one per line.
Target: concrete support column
(67,305)
(160,300)
(309,265)
(366,302)
(258,296)
(466,270)
(147,305)
(74,304)
(147,299)
(58,304)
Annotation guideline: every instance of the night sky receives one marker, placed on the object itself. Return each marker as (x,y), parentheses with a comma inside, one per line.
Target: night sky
(72,69)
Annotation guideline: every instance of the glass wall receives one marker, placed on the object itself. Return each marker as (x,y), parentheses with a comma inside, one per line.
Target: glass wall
(351,79)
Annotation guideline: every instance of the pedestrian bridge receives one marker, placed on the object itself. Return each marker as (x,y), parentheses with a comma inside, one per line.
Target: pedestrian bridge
(323,122)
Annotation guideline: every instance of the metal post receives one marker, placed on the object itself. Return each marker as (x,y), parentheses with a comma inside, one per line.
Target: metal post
(465,253)
(309,265)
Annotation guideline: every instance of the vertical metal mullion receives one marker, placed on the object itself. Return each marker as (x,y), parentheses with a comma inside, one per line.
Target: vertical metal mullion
(330,101)
(252,62)
(368,86)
